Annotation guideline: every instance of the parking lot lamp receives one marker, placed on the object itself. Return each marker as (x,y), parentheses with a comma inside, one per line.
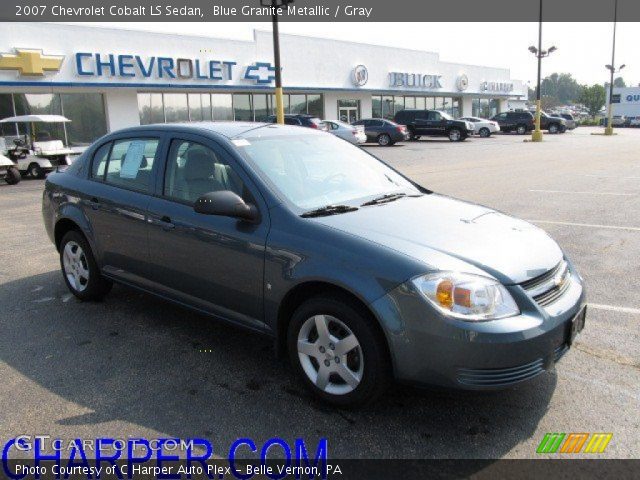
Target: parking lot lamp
(275,4)
(612,68)
(536,136)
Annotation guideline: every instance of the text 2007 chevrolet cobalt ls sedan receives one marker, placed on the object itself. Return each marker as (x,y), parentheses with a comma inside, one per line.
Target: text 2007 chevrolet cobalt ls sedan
(360,274)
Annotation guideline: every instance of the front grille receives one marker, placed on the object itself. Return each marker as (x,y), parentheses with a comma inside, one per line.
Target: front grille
(499,377)
(550,286)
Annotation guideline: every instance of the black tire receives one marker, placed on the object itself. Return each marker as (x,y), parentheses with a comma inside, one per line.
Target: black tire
(96,286)
(412,135)
(554,128)
(384,140)
(36,171)
(376,374)
(455,135)
(521,129)
(484,132)
(13,176)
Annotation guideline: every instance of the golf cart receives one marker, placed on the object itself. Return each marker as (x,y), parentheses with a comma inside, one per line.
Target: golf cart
(37,153)
(8,170)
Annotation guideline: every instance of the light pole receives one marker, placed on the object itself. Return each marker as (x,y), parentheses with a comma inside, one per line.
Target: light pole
(275,5)
(536,136)
(612,68)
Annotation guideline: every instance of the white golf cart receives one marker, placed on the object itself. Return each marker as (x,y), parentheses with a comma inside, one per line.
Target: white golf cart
(8,170)
(37,153)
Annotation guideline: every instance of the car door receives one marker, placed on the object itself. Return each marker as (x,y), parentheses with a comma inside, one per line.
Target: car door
(214,263)
(374,128)
(421,122)
(435,123)
(124,175)
(503,121)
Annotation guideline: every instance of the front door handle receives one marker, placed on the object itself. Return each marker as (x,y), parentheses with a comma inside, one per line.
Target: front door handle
(95,203)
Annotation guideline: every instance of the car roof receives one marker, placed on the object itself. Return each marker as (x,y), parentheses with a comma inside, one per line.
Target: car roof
(227,129)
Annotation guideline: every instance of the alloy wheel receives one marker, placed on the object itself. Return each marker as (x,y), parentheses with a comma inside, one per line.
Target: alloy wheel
(330,355)
(76,267)
(454,135)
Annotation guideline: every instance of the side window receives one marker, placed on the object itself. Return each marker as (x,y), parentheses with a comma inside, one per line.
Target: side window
(99,163)
(130,163)
(194,169)
(377,123)
(502,116)
(422,115)
(291,121)
(435,116)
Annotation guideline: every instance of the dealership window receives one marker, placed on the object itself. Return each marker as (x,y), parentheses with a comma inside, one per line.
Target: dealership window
(176,107)
(242,107)
(261,108)
(410,102)
(150,107)
(285,103)
(222,106)
(348,110)
(85,110)
(297,104)
(485,107)
(420,103)
(315,106)
(87,115)
(195,107)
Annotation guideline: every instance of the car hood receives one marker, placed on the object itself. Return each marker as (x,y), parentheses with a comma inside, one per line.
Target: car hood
(450,234)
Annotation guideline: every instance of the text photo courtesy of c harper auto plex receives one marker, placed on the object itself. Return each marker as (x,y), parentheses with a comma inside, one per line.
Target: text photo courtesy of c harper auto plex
(319,239)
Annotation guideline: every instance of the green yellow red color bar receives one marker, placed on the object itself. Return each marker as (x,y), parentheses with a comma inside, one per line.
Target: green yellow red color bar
(573,443)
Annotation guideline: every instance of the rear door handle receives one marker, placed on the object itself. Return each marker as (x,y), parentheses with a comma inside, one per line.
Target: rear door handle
(165,223)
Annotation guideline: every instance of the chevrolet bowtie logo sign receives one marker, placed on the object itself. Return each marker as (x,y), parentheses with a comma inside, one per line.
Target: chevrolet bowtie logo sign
(30,62)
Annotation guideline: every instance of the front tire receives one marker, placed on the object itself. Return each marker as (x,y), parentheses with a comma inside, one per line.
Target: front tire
(455,135)
(384,140)
(521,129)
(485,132)
(80,270)
(553,128)
(336,352)
(13,176)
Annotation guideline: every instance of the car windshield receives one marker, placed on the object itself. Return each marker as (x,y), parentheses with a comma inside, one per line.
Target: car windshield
(313,171)
(445,115)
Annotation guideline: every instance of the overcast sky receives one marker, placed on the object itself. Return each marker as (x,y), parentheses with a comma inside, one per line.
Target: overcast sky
(583,48)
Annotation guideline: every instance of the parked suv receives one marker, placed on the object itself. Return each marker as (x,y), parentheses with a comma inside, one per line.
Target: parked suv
(434,123)
(519,122)
(301,120)
(552,124)
(571,121)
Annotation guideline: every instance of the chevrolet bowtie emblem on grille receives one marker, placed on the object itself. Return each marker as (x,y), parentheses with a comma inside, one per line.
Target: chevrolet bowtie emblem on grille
(30,62)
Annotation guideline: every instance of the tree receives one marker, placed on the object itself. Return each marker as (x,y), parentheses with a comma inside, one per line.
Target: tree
(559,89)
(618,82)
(593,98)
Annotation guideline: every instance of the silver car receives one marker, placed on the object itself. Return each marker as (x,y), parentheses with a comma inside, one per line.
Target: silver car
(352,133)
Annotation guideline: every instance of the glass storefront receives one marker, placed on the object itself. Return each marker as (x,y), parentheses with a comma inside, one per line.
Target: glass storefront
(485,107)
(85,110)
(386,106)
(195,107)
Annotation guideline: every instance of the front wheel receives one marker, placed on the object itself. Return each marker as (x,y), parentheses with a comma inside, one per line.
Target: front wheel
(80,270)
(484,132)
(521,129)
(336,352)
(455,135)
(384,140)
(553,128)
(13,176)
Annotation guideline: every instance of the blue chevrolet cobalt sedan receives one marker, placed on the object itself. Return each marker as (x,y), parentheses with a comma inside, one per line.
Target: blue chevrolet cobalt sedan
(359,274)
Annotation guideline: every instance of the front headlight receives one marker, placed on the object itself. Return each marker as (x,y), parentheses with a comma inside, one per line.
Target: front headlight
(466,296)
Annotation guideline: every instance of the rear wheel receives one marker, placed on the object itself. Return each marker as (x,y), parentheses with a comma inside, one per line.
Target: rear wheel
(36,171)
(13,176)
(484,132)
(336,352)
(80,270)
(521,129)
(455,135)
(412,135)
(384,140)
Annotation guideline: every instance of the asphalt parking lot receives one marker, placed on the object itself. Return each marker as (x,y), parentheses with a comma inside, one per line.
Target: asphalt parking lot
(136,366)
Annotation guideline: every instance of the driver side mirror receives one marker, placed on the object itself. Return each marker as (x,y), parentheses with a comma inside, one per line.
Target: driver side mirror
(225,203)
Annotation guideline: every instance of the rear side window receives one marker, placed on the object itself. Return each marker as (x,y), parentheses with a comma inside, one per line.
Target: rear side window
(130,163)
(99,163)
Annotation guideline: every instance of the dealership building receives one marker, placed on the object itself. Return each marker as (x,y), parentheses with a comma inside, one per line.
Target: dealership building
(104,79)
(626,101)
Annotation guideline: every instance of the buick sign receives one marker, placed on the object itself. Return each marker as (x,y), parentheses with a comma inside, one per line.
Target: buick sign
(414,80)
(360,76)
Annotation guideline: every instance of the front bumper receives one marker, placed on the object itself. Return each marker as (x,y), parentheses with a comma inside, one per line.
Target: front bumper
(429,348)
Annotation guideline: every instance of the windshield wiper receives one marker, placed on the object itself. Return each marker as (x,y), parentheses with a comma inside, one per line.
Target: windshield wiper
(389,197)
(329,210)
